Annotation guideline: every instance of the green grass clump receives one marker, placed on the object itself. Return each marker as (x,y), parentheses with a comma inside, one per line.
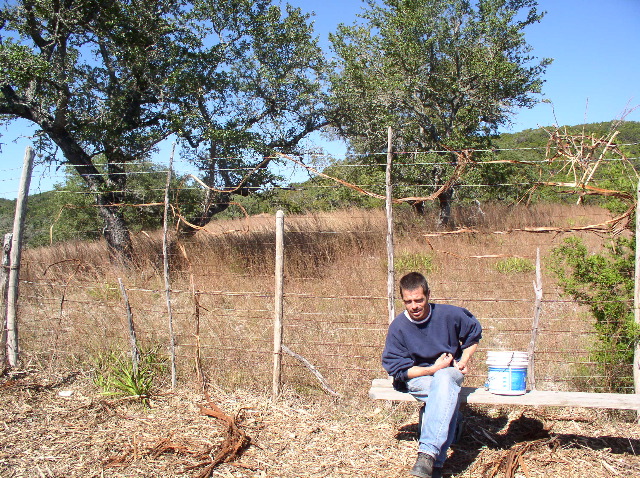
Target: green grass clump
(514,265)
(418,262)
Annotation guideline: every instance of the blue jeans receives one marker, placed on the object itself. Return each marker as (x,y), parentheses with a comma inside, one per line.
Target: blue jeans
(440,393)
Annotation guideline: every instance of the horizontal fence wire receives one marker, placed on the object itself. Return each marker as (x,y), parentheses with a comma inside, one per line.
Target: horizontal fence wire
(222,289)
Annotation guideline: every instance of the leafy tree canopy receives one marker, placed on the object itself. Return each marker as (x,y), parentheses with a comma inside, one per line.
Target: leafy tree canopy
(437,71)
(112,80)
(442,73)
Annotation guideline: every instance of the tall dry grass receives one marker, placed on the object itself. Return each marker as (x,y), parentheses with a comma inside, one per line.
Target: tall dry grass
(335,303)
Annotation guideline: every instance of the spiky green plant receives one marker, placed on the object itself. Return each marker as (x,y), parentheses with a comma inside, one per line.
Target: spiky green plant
(116,375)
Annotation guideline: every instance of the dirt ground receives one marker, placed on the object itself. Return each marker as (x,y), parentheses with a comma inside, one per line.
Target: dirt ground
(62,427)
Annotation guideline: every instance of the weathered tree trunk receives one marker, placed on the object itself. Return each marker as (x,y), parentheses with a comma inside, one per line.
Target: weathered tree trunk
(108,191)
(418,208)
(445,199)
(116,233)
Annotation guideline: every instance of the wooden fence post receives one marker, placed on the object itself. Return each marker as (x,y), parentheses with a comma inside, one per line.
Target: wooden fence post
(196,315)
(16,253)
(167,282)
(279,303)
(389,209)
(133,341)
(537,287)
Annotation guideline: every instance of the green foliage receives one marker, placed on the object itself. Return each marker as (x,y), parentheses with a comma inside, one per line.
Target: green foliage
(514,265)
(605,283)
(321,194)
(115,375)
(437,71)
(7,211)
(444,74)
(318,193)
(104,292)
(104,85)
(408,262)
(40,214)
(267,94)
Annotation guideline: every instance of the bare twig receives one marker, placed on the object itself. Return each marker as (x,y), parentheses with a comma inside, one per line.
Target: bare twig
(314,371)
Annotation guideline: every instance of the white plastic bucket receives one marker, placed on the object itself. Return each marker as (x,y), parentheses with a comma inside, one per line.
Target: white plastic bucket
(507,372)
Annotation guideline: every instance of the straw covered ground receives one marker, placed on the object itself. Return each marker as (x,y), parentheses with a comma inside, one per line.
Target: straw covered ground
(183,433)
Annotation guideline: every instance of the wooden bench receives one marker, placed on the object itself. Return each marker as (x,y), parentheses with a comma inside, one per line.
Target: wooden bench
(382,389)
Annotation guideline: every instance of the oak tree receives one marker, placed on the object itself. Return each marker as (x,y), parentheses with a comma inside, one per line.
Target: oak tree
(444,74)
(113,80)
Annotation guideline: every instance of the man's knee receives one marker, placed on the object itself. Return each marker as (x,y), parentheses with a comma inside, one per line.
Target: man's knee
(450,374)
(419,384)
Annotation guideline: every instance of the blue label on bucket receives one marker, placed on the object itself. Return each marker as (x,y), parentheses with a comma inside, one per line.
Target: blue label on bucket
(509,379)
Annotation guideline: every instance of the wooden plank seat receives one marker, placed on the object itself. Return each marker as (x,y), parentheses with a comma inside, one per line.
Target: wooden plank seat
(382,389)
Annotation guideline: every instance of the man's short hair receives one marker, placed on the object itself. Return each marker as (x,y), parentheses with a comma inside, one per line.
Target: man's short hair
(413,281)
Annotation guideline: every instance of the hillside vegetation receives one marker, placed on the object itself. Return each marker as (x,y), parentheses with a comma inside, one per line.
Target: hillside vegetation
(73,315)
(68,213)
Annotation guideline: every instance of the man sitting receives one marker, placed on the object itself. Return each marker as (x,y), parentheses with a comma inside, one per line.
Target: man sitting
(426,352)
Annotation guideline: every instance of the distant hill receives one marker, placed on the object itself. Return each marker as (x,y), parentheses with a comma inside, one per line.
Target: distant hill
(39,218)
(7,207)
(629,132)
(322,194)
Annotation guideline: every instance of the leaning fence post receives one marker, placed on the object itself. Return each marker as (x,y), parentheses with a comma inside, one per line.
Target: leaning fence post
(16,252)
(4,276)
(279,302)
(133,341)
(389,209)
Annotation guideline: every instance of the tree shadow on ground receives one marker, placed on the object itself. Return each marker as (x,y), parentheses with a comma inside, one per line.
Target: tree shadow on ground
(483,430)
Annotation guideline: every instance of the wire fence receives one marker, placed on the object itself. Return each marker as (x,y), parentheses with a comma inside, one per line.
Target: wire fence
(335,308)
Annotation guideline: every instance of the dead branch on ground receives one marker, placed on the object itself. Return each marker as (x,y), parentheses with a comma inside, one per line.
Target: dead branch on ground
(232,446)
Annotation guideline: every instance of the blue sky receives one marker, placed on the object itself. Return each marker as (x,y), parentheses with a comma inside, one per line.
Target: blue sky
(595,46)
(595,75)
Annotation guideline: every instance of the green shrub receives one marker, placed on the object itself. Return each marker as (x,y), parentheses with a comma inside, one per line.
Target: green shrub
(605,283)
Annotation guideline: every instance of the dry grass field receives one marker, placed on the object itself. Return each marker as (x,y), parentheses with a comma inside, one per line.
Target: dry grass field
(71,312)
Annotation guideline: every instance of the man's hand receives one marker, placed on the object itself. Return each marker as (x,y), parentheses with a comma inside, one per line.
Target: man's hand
(462,366)
(466,355)
(443,361)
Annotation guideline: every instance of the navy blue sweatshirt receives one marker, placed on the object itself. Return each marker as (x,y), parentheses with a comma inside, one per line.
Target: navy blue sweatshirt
(449,329)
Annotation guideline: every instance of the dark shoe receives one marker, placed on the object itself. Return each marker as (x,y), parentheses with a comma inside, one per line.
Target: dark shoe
(424,466)
(437,472)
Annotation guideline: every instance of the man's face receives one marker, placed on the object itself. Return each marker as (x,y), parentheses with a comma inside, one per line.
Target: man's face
(416,303)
